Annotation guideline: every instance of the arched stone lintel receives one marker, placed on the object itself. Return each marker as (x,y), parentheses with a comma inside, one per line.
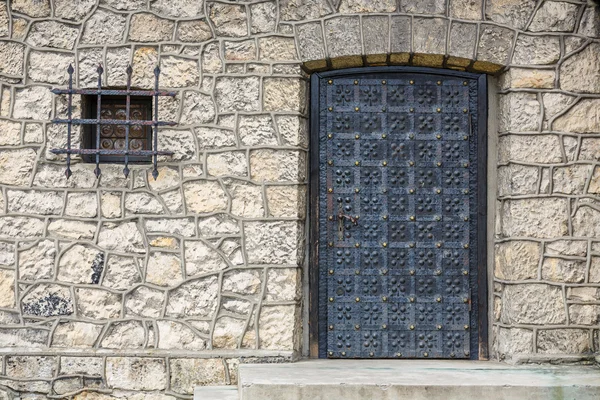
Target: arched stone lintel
(411,59)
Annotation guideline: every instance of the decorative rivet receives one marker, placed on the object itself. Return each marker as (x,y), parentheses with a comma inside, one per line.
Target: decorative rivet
(412,327)
(330,81)
(467,353)
(356,82)
(384,244)
(357,137)
(411,245)
(331,353)
(465,300)
(412,110)
(438,191)
(330,244)
(344,353)
(452,355)
(465,83)
(439,110)
(357,299)
(357,327)
(426,354)
(439,327)
(330,108)
(384,190)
(465,272)
(438,218)
(357,272)
(411,191)
(356,108)
(466,165)
(330,218)
(330,190)
(438,271)
(385,217)
(398,354)
(412,218)
(466,191)
(330,327)
(357,245)
(412,272)
(329,136)
(466,218)
(356,190)
(438,245)
(466,246)
(357,163)
(356,217)
(331,299)
(439,82)
(384,272)
(330,272)
(438,137)
(330,162)
(371,354)
(411,163)
(383,109)
(439,164)
(466,327)
(384,326)
(411,136)
(412,82)
(383,82)
(465,110)
(465,137)
(439,299)
(384,298)
(384,163)
(383,136)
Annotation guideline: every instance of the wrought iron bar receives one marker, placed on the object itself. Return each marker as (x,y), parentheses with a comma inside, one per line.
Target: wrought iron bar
(98,122)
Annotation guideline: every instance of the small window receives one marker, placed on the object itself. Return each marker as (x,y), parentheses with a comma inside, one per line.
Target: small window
(113,137)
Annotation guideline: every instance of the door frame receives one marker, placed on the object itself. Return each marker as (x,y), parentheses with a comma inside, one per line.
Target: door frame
(314,308)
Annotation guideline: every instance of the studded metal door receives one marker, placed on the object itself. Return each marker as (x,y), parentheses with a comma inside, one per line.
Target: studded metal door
(399,214)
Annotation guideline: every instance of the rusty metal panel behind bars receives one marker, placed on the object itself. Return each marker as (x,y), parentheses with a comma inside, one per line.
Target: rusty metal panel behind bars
(398,215)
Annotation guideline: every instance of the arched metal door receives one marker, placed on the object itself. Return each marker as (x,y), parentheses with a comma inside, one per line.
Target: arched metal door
(398,225)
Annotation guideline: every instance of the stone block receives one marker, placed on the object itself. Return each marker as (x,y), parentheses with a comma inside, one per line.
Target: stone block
(246,199)
(586,222)
(284,94)
(242,282)
(583,117)
(178,8)
(276,327)
(555,16)
(218,225)
(362,6)
(111,204)
(98,303)
(536,50)
(82,204)
(47,300)
(142,203)
(34,202)
(584,314)
(590,23)
(52,34)
(535,304)
(124,335)
(590,149)
(495,44)
(33,133)
(237,93)
(71,229)
(179,72)
(91,366)
(121,272)
(509,342)
(81,264)
(173,226)
(124,237)
(21,227)
(510,12)
(228,332)
(400,34)
(293,130)
(66,9)
(229,20)
(204,196)
(257,130)
(571,179)
(145,60)
(16,166)
(564,270)
(578,74)
(164,269)
(28,367)
(310,41)
(538,218)
(227,164)
(7,288)
(195,298)
(277,165)
(104,27)
(462,40)
(181,142)
(22,337)
(188,373)
(517,260)
(286,201)
(515,179)
(76,334)
(175,335)
(429,35)
(283,284)
(595,182)
(34,102)
(198,108)
(244,50)
(133,373)
(272,242)
(543,149)
(297,10)
(193,31)
(423,6)
(211,59)
(343,36)
(146,27)
(12,60)
(376,34)
(563,341)
(276,48)
(519,112)
(466,9)
(144,302)
(530,78)
(263,17)
(10,133)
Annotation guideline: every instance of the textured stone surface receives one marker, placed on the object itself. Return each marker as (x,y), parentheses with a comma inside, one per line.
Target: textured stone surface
(48,300)
(175,335)
(150,28)
(466,9)
(144,302)
(571,179)
(75,11)
(533,304)
(228,19)
(237,94)
(578,74)
(566,341)
(31,366)
(12,61)
(98,304)
(52,34)
(276,166)
(136,373)
(526,148)
(583,117)
(194,298)
(7,288)
(310,41)
(81,264)
(343,36)
(188,373)
(512,341)
(193,31)
(33,102)
(514,13)
(124,237)
(533,50)
(495,44)
(76,334)
(520,112)
(263,17)
(204,196)
(539,218)
(276,326)
(272,242)
(556,16)
(563,270)
(517,260)
(104,27)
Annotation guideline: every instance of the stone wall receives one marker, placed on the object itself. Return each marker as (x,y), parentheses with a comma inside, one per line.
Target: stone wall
(116,286)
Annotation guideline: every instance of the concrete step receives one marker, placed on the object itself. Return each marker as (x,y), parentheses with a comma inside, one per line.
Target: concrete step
(216,393)
(416,380)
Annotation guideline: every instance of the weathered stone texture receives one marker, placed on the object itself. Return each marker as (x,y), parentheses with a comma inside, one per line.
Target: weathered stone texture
(186,373)
(583,117)
(517,260)
(495,44)
(228,19)
(533,304)
(150,28)
(565,341)
(534,50)
(104,27)
(466,9)
(556,16)
(579,73)
(538,218)
(237,94)
(514,13)
(12,60)
(343,36)
(136,373)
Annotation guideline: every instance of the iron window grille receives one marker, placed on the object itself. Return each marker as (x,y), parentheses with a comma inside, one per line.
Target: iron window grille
(127,154)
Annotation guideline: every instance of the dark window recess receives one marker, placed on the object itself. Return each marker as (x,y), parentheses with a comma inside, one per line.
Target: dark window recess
(118,125)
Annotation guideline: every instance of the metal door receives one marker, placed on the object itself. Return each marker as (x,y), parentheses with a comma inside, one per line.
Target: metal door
(398,171)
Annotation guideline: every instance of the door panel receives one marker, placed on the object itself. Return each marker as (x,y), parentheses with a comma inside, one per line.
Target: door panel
(399,213)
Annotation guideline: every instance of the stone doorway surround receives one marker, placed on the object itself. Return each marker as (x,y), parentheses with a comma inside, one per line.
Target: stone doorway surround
(228,213)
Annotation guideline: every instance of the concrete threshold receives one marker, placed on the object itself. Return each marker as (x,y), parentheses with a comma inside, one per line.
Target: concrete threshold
(416,380)
(216,393)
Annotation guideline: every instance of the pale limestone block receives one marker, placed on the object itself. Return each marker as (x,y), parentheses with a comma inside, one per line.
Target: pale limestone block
(517,260)
(229,20)
(7,288)
(189,373)
(204,197)
(121,272)
(144,302)
(34,102)
(71,229)
(246,199)
(81,264)
(533,304)
(133,373)
(227,164)
(244,282)
(124,335)
(12,60)
(276,327)
(164,269)
(124,237)
(145,27)
(284,94)
(104,27)
(538,218)
(76,334)
(174,226)
(53,34)
(196,298)
(175,335)
(21,227)
(47,300)
(34,202)
(237,93)
(97,303)
(272,242)
(563,341)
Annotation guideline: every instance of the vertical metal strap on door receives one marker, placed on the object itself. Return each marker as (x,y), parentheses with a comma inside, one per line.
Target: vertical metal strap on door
(398,216)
